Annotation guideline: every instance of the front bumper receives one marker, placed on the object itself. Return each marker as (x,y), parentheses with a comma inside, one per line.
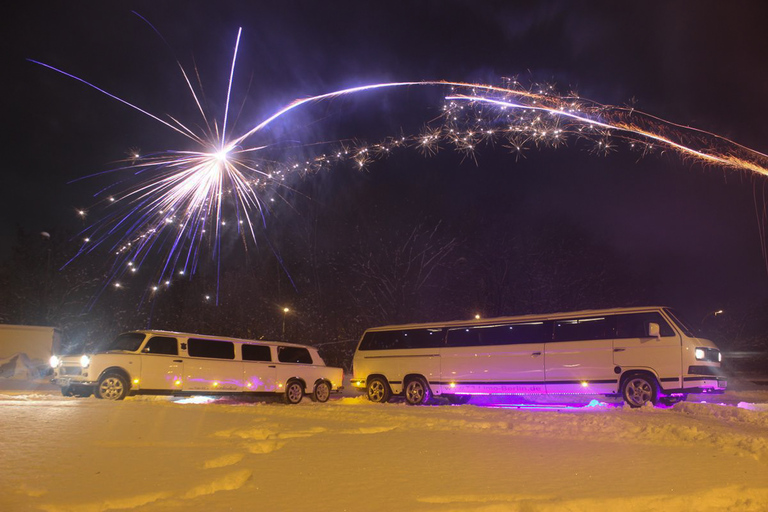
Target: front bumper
(72,381)
(69,375)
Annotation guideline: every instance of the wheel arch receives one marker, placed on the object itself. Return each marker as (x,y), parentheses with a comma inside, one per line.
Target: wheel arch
(627,374)
(120,371)
(409,377)
(322,379)
(299,380)
(379,375)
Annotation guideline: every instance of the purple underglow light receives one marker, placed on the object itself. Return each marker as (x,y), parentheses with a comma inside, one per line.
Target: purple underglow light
(197,399)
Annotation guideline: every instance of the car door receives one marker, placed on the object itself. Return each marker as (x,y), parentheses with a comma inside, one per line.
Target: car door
(634,348)
(259,371)
(579,359)
(212,367)
(161,366)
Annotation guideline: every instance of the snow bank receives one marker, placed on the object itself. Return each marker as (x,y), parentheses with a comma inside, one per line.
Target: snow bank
(84,455)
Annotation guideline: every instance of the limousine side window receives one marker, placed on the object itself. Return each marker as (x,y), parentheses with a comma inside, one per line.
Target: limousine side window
(635,325)
(294,355)
(256,353)
(531,332)
(162,345)
(400,339)
(211,348)
(581,329)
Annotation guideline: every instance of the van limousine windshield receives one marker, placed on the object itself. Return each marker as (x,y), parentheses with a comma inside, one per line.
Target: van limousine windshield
(682,322)
(129,341)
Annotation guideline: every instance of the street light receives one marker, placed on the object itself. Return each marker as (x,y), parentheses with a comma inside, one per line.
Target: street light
(712,314)
(285,313)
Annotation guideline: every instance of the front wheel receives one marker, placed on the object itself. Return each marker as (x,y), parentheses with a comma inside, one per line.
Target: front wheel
(638,390)
(294,392)
(378,390)
(417,392)
(112,386)
(322,392)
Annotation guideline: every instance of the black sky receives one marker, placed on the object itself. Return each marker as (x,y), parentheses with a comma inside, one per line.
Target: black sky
(692,62)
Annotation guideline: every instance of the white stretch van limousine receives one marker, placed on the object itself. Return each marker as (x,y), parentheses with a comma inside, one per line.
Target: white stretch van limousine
(175,363)
(645,354)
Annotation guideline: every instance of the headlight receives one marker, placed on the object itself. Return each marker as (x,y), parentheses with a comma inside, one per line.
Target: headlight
(55,362)
(719,357)
(700,354)
(85,361)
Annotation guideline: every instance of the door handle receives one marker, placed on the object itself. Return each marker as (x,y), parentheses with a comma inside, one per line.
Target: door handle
(619,349)
(536,354)
(271,366)
(178,360)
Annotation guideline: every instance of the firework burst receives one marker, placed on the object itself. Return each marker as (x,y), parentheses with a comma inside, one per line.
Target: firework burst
(181,202)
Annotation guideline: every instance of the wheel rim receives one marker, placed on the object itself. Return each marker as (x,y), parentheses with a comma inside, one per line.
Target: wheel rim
(414,393)
(294,393)
(322,392)
(638,392)
(111,388)
(376,391)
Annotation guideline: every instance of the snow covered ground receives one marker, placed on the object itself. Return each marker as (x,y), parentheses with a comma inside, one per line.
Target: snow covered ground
(70,454)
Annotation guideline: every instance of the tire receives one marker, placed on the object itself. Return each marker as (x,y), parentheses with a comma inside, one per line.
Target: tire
(322,392)
(67,391)
(294,392)
(458,399)
(417,391)
(112,386)
(639,389)
(378,390)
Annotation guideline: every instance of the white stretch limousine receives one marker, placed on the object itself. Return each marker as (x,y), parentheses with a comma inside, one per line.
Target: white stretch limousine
(175,363)
(645,354)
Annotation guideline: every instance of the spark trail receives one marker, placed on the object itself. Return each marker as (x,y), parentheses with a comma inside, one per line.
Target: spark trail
(178,203)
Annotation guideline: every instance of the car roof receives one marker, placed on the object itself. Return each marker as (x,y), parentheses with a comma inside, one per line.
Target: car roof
(218,338)
(523,318)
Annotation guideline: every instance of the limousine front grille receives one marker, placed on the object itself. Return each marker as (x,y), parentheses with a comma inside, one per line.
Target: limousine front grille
(705,370)
(70,370)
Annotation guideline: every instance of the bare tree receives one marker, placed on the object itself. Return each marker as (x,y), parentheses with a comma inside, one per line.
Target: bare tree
(393,270)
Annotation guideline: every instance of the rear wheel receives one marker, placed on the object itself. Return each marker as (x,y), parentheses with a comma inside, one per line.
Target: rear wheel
(378,390)
(417,391)
(294,392)
(112,386)
(322,392)
(639,389)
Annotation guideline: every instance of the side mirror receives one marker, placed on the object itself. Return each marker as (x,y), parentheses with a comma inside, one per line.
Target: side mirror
(653,330)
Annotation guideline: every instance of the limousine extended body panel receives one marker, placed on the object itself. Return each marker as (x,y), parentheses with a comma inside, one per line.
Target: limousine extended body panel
(161,362)
(644,354)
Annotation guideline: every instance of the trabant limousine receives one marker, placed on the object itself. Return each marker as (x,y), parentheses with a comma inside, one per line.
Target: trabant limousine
(176,363)
(644,354)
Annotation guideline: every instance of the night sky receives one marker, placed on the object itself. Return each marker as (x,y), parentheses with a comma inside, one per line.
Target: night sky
(696,63)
